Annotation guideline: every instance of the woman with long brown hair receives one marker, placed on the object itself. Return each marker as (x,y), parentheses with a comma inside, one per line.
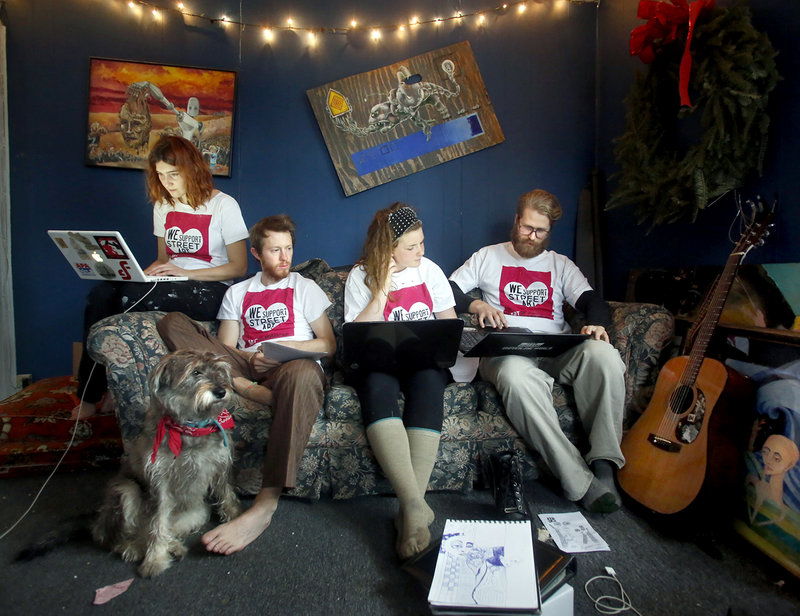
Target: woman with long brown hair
(200,234)
(393,281)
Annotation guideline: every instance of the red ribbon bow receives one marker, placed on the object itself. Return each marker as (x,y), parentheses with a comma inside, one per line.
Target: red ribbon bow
(167,426)
(664,21)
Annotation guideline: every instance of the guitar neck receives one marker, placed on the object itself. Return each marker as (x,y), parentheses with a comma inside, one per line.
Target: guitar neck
(709,316)
(699,334)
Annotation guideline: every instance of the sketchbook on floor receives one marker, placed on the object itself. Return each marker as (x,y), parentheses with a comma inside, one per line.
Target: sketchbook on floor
(485,567)
(554,567)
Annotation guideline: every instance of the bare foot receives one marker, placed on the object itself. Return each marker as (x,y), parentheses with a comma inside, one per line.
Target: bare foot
(253,391)
(106,404)
(83,410)
(237,534)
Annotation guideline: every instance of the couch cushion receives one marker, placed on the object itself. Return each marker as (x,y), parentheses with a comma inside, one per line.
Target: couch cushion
(332,282)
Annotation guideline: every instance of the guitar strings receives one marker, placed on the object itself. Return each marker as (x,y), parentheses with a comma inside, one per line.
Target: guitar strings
(687,391)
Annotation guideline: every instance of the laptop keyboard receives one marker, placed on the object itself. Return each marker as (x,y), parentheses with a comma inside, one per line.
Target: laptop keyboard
(470,337)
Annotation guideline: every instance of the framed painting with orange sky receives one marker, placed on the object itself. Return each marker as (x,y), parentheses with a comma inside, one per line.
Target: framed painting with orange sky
(131,104)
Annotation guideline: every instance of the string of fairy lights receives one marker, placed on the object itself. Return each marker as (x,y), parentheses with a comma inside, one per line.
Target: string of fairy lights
(376,32)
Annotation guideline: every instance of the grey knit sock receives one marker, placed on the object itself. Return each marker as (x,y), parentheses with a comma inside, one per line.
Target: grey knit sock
(602,495)
(604,471)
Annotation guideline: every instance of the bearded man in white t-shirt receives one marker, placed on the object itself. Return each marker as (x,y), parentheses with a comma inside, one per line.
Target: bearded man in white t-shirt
(524,284)
(275,305)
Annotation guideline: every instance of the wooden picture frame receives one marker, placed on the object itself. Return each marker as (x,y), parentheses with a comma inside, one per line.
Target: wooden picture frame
(411,115)
(131,104)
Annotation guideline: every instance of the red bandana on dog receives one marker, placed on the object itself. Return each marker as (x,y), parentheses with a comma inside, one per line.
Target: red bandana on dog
(173,431)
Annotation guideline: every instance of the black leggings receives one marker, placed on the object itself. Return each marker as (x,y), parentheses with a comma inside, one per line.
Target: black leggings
(424,397)
(197,299)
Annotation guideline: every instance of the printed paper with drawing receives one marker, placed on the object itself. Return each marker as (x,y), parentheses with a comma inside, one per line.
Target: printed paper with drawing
(572,533)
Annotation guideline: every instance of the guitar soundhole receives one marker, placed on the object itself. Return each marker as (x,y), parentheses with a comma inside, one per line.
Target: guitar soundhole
(681,399)
(691,403)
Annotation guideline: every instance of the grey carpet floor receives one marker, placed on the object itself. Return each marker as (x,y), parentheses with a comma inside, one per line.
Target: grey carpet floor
(337,557)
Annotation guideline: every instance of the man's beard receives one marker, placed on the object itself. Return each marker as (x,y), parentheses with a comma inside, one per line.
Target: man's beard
(273,273)
(526,248)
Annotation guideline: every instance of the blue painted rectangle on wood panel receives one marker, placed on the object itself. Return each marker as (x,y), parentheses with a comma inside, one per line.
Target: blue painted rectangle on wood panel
(402,149)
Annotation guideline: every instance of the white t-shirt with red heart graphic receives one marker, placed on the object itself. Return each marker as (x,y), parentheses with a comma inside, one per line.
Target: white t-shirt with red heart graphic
(280,311)
(417,293)
(530,292)
(197,238)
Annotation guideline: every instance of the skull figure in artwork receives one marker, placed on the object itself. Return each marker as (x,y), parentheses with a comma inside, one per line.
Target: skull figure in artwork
(134,119)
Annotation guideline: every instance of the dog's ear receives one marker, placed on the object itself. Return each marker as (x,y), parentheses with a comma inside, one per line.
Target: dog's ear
(224,366)
(158,377)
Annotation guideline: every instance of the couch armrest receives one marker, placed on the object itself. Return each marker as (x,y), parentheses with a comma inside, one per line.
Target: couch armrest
(129,347)
(642,332)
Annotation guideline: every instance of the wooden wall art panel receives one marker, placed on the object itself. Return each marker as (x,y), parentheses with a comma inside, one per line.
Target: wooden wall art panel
(394,121)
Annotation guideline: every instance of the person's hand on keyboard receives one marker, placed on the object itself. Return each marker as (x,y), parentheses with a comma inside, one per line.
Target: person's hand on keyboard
(487,316)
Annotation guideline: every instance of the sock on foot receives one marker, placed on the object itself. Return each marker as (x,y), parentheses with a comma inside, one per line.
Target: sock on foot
(599,499)
(413,534)
(604,470)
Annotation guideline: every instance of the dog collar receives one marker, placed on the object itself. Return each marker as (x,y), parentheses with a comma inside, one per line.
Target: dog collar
(172,430)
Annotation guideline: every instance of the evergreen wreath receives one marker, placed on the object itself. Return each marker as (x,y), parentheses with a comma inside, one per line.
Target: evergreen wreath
(664,176)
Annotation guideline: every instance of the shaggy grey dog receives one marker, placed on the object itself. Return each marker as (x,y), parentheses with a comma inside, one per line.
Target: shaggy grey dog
(179,462)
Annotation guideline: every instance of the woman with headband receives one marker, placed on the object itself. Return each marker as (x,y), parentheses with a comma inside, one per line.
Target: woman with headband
(393,281)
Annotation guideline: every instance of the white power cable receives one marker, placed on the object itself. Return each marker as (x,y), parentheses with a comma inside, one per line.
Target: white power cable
(74,432)
(610,604)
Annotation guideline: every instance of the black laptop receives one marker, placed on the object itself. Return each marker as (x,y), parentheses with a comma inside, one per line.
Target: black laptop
(397,346)
(489,342)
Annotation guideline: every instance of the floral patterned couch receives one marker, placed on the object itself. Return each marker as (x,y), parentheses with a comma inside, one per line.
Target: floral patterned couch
(338,462)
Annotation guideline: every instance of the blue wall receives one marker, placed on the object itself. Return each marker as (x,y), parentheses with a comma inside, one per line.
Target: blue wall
(540,70)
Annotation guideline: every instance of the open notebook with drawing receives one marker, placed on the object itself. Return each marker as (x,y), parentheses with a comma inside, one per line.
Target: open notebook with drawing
(485,566)
(102,255)
(553,567)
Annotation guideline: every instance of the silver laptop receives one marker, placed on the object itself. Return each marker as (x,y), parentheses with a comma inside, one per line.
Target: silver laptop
(103,255)
(515,341)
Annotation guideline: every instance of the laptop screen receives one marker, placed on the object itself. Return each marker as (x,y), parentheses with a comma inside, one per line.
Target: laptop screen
(400,346)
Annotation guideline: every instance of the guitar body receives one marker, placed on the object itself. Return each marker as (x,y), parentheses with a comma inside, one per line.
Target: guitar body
(666,450)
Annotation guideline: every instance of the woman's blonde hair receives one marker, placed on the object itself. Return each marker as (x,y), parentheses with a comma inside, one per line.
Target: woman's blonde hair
(382,238)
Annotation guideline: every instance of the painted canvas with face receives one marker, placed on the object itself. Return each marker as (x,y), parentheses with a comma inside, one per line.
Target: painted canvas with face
(131,104)
(393,121)
(770,518)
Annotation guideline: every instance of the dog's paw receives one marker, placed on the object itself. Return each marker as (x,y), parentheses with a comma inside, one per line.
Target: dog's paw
(130,553)
(230,512)
(178,551)
(153,567)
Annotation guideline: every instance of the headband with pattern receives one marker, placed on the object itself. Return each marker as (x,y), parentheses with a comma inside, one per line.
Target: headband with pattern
(400,221)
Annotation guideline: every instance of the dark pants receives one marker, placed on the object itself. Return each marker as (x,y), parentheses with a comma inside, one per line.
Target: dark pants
(298,390)
(200,300)
(423,391)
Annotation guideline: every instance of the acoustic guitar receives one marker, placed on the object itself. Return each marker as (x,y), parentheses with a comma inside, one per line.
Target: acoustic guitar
(666,450)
